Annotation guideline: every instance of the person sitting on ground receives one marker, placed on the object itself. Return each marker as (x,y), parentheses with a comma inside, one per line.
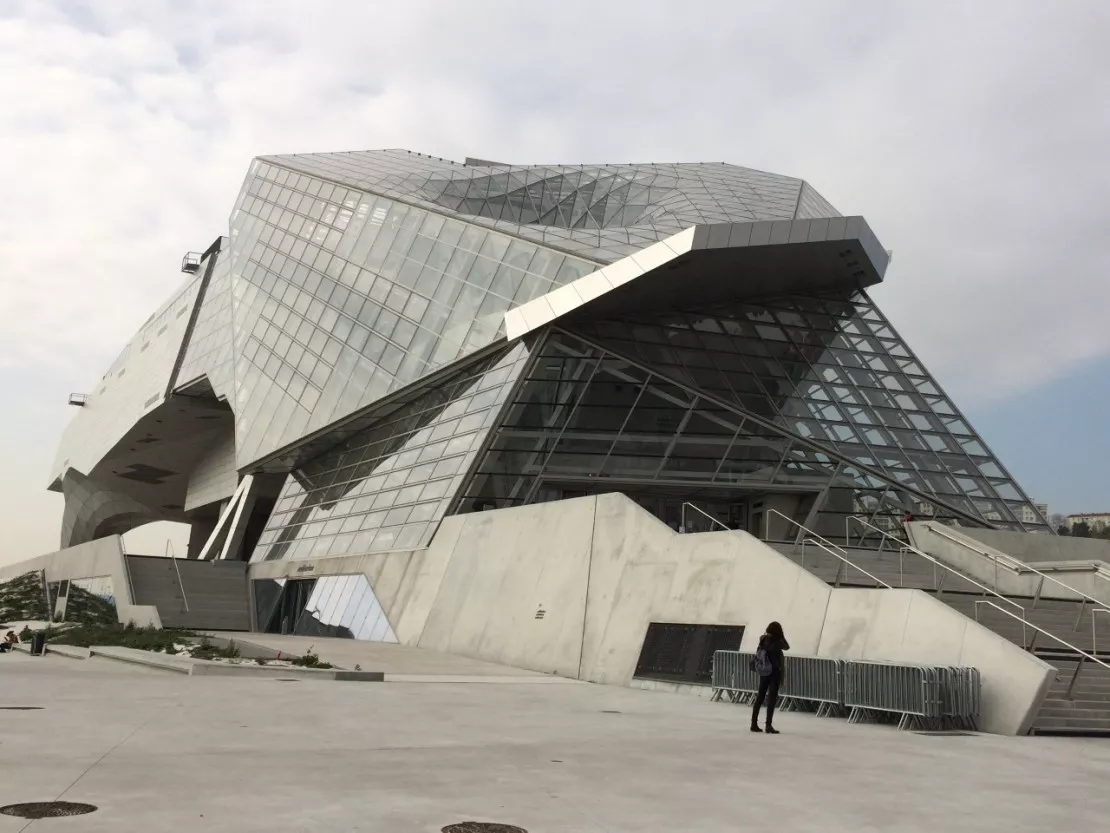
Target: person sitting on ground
(10,639)
(771,666)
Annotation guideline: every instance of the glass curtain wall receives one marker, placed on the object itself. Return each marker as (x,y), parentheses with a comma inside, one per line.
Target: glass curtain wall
(386,488)
(341,297)
(832,370)
(586,420)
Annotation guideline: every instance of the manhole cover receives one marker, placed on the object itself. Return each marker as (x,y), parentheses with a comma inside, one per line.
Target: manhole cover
(21,708)
(482,827)
(47,809)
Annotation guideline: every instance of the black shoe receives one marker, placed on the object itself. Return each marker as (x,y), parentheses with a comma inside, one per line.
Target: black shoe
(771,730)
(755,728)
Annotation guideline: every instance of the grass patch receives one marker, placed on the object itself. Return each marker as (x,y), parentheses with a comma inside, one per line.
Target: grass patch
(122,636)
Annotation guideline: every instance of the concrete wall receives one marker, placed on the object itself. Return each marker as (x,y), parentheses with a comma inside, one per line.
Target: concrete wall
(912,626)
(102,557)
(570,588)
(1089,577)
(1030,547)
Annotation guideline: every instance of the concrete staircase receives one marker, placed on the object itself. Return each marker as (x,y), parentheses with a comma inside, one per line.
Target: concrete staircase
(1085,711)
(214,597)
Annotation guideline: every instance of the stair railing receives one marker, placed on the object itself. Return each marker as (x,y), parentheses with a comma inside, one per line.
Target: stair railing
(947,569)
(1017,567)
(700,511)
(1084,657)
(843,561)
(127,570)
(177,570)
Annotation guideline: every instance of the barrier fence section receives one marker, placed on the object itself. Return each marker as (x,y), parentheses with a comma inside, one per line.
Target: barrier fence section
(919,696)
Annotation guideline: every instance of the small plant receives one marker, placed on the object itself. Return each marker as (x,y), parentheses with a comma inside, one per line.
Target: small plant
(260,661)
(25,634)
(358,667)
(206,650)
(310,660)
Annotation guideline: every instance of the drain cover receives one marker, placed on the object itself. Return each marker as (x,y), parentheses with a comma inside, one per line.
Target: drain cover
(609,711)
(287,680)
(482,827)
(21,708)
(47,809)
(947,734)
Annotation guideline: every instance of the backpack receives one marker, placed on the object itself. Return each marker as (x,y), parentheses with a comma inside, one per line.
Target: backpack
(761,665)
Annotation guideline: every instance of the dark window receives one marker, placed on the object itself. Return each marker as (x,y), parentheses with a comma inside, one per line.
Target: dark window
(684,653)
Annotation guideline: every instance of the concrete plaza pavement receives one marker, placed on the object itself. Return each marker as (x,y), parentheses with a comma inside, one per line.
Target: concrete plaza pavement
(163,751)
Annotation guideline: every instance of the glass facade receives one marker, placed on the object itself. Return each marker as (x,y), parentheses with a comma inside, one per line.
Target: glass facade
(832,371)
(386,487)
(209,350)
(729,421)
(23,598)
(342,297)
(332,606)
(354,322)
(88,601)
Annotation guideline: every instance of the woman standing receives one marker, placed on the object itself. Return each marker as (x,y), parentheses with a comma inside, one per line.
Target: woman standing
(771,665)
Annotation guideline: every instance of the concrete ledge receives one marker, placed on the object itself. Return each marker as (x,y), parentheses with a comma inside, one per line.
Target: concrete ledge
(210,668)
(69,651)
(165,662)
(464,678)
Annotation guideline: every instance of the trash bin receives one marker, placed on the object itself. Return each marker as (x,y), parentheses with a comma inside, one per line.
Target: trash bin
(38,643)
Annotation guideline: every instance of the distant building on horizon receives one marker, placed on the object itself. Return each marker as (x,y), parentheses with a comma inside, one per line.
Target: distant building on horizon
(1092,519)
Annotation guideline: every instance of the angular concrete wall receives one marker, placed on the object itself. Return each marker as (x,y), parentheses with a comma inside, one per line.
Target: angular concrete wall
(912,626)
(1030,547)
(570,588)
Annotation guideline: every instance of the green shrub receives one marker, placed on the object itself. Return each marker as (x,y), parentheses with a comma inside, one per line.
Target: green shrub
(310,660)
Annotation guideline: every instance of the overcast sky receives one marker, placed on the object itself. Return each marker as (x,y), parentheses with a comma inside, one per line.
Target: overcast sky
(973,136)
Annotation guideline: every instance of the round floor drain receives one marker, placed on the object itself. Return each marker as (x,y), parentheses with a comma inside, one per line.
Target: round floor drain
(47,809)
(482,827)
(21,708)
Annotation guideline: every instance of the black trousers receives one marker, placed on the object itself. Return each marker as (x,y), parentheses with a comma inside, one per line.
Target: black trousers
(769,692)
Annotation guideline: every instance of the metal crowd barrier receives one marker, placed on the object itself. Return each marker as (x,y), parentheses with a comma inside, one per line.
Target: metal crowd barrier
(919,696)
(811,683)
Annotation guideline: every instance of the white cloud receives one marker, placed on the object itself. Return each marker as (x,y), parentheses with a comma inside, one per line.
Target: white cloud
(972,136)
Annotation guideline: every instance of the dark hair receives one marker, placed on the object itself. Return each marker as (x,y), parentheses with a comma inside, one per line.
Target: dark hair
(775,629)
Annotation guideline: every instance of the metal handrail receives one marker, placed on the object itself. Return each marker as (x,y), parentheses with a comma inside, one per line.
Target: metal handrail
(904,548)
(176,569)
(843,559)
(827,545)
(808,531)
(1020,565)
(1083,654)
(702,511)
(127,569)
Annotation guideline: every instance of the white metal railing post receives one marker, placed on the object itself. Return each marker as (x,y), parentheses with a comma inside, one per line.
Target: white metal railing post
(176,569)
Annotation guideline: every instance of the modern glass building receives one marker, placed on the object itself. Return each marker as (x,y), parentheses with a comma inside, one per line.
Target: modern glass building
(385,338)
